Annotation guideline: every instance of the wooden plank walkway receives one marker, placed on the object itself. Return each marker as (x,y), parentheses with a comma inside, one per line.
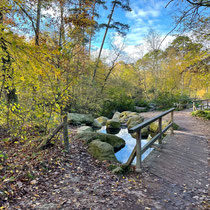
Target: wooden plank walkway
(183,158)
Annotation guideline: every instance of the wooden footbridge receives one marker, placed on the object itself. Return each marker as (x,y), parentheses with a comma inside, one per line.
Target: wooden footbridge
(181,157)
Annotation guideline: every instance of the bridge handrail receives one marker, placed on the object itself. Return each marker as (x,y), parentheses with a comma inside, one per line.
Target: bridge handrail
(138,151)
(201,100)
(149,121)
(202,106)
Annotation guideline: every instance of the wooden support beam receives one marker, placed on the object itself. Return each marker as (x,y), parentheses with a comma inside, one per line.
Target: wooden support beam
(150,143)
(65,133)
(132,156)
(172,120)
(194,108)
(160,130)
(138,151)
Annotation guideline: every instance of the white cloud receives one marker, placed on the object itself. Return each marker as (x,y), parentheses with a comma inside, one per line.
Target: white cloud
(142,13)
(131,52)
(146,15)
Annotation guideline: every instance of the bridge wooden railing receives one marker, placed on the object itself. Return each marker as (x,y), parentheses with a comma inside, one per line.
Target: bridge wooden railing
(204,104)
(138,151)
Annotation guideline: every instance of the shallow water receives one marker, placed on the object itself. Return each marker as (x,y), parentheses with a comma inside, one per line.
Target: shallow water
(125,152)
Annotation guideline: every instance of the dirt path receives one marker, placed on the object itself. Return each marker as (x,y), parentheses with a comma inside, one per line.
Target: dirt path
(81,182)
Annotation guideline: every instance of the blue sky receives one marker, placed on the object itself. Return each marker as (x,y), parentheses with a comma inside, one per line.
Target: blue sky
(145,15)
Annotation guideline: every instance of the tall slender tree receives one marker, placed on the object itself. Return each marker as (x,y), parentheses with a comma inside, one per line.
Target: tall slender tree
(38,19)
(111,24)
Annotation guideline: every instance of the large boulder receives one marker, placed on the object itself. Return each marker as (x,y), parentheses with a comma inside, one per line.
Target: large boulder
(140,109)
(112,131)
(133,121)
(84,129)
(117,170)
(117,142)
(112,124)
(102,120)
(96,124)
(154,127)
(78,119)
(126,115)
(144,133)
(102,150)
(116,116)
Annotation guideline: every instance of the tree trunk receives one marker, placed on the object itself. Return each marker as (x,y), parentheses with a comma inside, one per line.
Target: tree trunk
(2,86)
(1,18)
(38,16)
(65,133)
(7,71)
(102,44)
(61,34)
(91,31)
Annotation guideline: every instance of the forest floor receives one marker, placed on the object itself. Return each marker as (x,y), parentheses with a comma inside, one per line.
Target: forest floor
(50,179)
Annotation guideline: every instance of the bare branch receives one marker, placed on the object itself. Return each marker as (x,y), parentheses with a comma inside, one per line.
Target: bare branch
(168,3)
(201,3)
(180,20)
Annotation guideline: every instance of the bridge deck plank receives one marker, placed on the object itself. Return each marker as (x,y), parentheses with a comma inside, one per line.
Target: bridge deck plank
(183,157)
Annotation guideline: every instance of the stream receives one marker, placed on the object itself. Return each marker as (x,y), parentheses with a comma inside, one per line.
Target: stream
(125,152)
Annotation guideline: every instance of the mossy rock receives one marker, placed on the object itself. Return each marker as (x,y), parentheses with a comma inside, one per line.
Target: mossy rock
(96,124)
(144,133)
(123,120)
(78,119)
(140,109)
(102,151)
(116,116)
(154,127)
(113,124)
(102,120)
(117,142)
(84,129)
(124,114)
(133,121)
(112,131)
(117,170)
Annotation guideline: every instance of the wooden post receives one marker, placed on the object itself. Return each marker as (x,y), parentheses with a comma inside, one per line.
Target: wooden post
(160,130)
(65,133)
(172,120)
(193,106)
(138,151)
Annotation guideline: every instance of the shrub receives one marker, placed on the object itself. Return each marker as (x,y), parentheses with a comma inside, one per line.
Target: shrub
(142,103)
(120,104)
(202,113)
(166,100)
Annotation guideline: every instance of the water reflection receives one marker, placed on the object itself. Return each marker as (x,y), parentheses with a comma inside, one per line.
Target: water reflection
(125,152)
(112,131)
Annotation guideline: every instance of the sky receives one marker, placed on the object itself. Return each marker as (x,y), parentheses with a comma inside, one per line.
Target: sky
(145,15)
